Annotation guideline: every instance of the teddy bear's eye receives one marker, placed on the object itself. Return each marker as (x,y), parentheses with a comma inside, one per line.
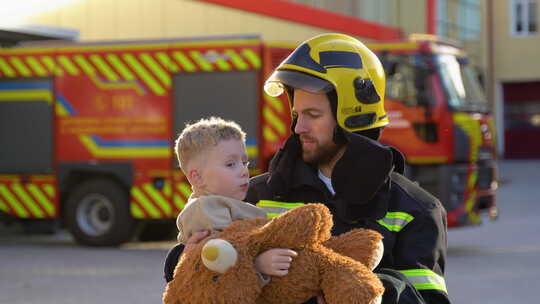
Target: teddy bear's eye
(215,278)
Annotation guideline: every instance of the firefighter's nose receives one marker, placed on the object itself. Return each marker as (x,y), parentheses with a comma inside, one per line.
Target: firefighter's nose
(300,126)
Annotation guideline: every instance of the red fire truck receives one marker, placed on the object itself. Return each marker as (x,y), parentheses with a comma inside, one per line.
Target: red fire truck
(440,119)
(87,129)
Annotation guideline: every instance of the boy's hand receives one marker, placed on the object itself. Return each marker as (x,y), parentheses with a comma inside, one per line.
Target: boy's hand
(275,262)
(196,238)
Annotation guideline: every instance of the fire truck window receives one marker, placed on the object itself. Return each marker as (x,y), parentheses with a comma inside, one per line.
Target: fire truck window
(400,81)
(229,95)
(26,127)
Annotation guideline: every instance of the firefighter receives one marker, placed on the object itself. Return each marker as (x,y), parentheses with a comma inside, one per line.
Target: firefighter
(335,86)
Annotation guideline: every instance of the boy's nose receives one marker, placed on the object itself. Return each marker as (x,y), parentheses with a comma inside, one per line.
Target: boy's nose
(245,171)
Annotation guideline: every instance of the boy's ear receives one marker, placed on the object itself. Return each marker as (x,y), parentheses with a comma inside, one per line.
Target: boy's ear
(195,178)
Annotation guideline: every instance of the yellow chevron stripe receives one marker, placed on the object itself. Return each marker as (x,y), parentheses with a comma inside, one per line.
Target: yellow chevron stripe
(167,61)
(49,189)
(252,151)
(120,67)
(68,65)
(252,57)
(36,66)
(114,152)
(130,47)
(136,212)
(205,65)
(85,66)
(274,121)
(26,95)
(13,202)
(392,46)
(185,189)
(20,67)
(167,189)
(52,66)
(60,109)
(223,64)
(158,198)
(3,206)
(6,68)
(156,69)
(184,62)
(269,135)
(237,61)
(42,199)
(104,68)
(147,205)
(274,102)
(179,202)
(145,76)
(116,85)
(27,200)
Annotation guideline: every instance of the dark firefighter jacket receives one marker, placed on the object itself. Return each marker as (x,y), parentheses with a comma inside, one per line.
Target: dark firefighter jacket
(370,193)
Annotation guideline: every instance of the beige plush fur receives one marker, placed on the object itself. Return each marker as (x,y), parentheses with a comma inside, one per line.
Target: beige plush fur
(338,267)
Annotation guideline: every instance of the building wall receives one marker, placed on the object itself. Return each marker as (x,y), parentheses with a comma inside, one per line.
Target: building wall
(161,19)
(516,58)
(411,15)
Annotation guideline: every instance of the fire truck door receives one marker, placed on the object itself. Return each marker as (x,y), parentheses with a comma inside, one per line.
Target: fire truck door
(26,148)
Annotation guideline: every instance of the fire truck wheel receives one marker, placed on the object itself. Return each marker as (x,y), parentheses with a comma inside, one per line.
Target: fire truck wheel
(97,213)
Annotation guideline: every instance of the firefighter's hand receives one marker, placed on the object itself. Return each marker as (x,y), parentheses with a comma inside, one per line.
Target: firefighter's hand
(320,299)
(195,239)
(275,262)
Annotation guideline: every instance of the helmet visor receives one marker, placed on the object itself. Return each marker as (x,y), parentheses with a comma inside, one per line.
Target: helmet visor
(275,85)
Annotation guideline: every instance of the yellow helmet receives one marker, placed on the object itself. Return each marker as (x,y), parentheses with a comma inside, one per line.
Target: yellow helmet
(342,63)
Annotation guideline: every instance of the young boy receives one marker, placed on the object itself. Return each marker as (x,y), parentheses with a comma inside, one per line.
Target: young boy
(212,155)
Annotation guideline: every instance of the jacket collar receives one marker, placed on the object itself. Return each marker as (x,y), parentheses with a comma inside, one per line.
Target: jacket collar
(361,172)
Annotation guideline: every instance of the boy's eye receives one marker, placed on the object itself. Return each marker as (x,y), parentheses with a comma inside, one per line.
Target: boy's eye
(245,163)
(231,164)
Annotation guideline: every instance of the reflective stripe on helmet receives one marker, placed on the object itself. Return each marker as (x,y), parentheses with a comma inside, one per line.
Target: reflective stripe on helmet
(425,279)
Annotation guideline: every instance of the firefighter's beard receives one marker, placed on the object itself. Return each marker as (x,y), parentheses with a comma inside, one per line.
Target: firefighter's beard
(315,153)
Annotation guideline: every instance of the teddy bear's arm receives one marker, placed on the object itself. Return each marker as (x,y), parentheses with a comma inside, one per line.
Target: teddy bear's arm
(299,227)
(363,245)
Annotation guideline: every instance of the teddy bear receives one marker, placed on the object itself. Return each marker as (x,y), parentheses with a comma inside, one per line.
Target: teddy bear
(220,269)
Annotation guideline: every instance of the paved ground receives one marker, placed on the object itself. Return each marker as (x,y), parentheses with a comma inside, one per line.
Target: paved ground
(493,263)
(498,262)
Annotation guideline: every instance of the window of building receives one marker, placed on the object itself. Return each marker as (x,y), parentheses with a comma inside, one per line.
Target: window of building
(467,24)
(523,17)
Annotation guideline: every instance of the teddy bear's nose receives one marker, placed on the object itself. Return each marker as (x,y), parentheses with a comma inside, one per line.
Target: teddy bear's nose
(210,253)
(218,255)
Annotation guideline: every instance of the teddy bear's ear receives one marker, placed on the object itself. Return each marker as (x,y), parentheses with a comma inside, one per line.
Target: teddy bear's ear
(299,227)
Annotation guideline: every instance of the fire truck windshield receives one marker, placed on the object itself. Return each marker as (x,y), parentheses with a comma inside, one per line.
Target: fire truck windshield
(460,81)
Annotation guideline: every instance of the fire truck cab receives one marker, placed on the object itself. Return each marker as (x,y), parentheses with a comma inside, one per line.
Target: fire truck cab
(440,119)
